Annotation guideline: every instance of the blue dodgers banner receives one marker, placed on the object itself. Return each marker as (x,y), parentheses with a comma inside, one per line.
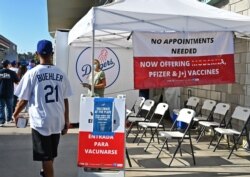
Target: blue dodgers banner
(103,116)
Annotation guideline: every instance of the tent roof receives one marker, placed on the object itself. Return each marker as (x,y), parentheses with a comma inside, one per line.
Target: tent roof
(114,22)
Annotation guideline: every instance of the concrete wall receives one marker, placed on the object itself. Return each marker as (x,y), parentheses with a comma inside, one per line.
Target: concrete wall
(237,93)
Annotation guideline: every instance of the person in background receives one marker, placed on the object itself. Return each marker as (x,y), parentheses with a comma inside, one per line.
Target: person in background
(99,80)
(7,80)
(21,71)
(31,64)
(18,64)
(46,90)
(13,67)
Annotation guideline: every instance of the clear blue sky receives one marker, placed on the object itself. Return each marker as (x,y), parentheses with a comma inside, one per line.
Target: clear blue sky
(24,22)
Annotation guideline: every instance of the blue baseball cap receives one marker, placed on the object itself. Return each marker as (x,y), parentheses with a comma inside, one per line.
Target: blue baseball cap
(13,63)
(44,47)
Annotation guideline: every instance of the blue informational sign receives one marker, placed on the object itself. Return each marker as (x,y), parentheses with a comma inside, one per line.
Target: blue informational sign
(103,116)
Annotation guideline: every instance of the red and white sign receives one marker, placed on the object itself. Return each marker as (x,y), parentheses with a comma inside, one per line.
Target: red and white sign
(182,59)
(101,151)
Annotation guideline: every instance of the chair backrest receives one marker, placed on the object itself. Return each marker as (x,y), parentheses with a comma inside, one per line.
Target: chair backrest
(138,104)
(221,109)
(146,108)
(186,115)
(159,112)
(220,113)
(148,104)
(207,108)
(161,108)
(193,102)
(241,113)
(208,105)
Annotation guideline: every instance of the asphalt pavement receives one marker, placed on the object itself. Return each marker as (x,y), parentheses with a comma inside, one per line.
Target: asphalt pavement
(16,158)
(16,154)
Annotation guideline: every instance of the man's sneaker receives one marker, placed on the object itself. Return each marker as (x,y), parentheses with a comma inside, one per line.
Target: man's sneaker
(11,121)
(1,125)
(8,122)
(42,173)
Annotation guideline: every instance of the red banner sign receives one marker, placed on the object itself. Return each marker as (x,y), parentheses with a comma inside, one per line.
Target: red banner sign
(97,151)
(171,61)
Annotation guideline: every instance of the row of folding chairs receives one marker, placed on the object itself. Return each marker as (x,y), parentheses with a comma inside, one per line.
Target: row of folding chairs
(214,117)
(154,123)
(229,128)
(211,116)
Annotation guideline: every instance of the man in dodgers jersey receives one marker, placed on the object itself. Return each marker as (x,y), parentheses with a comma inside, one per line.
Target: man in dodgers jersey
(46,89)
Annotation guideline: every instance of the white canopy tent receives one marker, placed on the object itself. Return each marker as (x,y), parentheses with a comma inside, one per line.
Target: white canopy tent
(113,23)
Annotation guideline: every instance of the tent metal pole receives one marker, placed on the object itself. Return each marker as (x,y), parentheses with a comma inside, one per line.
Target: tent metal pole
(92,64)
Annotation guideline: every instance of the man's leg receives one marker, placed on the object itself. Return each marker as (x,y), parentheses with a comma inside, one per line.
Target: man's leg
(2,111)
(9,106)
(14,102)
(45,150)
(48,168)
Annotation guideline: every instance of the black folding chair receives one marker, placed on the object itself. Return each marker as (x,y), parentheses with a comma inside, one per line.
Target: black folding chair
(143,115)
(185,115)
(239,114)
(154,123)
(206,110)
(136,107)
(218,119)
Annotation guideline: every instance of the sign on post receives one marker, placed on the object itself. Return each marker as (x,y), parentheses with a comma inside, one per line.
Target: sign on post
(102,133)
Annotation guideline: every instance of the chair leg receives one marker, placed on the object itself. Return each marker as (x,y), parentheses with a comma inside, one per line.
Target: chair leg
(212,139)
(180,148)
(201,134)
(218,142)
(235,142)
(165,142)
(199,128)
(228,144)
(128,158)
(156,130)
(138,132)
(130,128)
(143,133)
(234,147)
(152,134)
(192,150)
(152,137)
(179,144)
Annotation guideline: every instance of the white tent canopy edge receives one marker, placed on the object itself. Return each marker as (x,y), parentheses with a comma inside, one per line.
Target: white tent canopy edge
(114,22)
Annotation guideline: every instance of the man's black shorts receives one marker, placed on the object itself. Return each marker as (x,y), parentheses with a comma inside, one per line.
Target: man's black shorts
(44,147)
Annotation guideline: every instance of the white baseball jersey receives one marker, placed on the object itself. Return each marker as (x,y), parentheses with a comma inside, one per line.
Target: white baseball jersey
(45,87)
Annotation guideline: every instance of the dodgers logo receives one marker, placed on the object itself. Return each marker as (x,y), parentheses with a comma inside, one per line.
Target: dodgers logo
(109,64)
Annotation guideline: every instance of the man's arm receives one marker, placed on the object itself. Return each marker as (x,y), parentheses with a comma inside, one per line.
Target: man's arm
(19,107)
(66,117)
